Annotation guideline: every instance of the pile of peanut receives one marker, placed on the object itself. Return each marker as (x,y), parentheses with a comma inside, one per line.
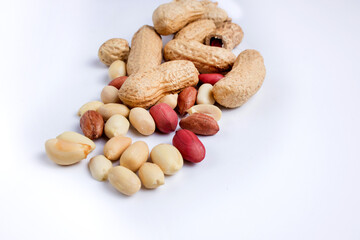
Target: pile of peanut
(201,49)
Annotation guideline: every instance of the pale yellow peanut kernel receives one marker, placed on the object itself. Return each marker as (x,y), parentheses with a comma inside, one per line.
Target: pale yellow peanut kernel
(142,121)
(93,105)
(207,109)
(99,167)
(116,125)
(76,138)
(110,109)
(170,99)
(116,146)
(124,180)
(117,69)
(167,157)
(64,152)
(109,94)
(151,175)
(205,94)
(135,155)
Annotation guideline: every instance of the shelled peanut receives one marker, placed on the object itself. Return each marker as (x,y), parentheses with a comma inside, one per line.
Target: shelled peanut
(68,148)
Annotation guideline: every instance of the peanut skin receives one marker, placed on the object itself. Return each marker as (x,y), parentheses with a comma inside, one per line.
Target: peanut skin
(189,145)
(206,59)
(170,17)
(242,82)
(200,123)
(144,89)
(145,53)
(186,99)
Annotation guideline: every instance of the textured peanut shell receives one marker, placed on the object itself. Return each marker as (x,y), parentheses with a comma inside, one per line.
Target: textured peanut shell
(230,34)
(207,59)
(145,53)
(114,49)
(144,89)
(213,12)
(197,30)
(170,17)
(242,82)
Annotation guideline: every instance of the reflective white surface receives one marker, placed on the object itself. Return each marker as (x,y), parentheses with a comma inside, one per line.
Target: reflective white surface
(283,166)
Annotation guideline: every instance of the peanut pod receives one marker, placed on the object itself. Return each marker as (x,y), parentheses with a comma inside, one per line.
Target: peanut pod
(206,59)
(170,17)
(145,53)
(144,89)
(213,12)
(242,82)
(112,50)
(197,30)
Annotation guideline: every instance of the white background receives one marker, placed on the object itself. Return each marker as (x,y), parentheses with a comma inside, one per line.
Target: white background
(284,166)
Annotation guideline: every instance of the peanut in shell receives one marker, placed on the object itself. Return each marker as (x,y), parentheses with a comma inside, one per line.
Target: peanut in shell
(207,59)
(145,53)
(197,30)
(242,82)
(213,12)
(144,89)
(170,17)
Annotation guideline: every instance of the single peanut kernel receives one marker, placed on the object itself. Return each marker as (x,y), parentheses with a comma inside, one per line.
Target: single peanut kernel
(109,94)
(110,109)
(170,99)
(93,105)
(151,175)
(65,152)
(76,138)
(117,125)
(142,121)
(167,157)
(135,155)
(124,180)
(99,167)
(117,69)
(205,94)
(116,146)
(207,109)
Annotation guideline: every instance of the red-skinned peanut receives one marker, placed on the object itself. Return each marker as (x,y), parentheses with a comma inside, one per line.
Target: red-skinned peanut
(211,78)
(189,145)
(118,82)
(165,117)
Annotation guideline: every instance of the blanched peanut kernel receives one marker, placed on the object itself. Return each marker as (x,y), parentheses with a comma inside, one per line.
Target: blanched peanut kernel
(99,167)
(142,121)
(110,109)
(167,157)
(76,138)
(117,69)
(124,180)
(207,109)
(135,155)
(109,94)
(151,175)
(116,146)
(93,105)
(117,125)
(64,152)
(205,95)
(170,99)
